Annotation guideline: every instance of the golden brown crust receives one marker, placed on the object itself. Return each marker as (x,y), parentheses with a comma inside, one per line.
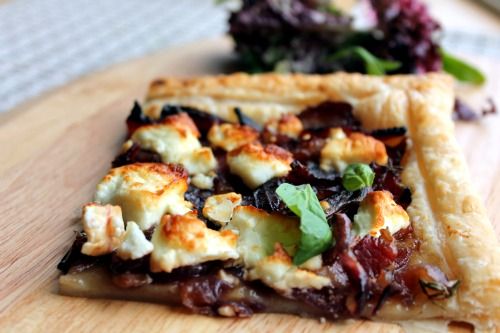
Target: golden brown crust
(446,213)
(378,101)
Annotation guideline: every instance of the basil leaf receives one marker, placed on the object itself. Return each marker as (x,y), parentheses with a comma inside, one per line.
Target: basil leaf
(357,176)
(330,8)
(460,69)
(316,236)
(373,64)
(439,290)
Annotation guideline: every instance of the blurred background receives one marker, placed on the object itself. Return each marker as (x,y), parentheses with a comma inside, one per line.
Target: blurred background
(47,43)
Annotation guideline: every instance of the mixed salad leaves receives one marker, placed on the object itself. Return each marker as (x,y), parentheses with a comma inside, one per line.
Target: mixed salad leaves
(314,36)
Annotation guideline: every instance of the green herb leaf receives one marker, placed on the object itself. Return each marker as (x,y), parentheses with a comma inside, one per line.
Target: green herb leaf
(373,64)
(357,176)
(221,2)
(439,290)
(329,8)
(460,69)
(316,236)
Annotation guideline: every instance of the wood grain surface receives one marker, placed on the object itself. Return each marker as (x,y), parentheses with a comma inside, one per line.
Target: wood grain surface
(55,149)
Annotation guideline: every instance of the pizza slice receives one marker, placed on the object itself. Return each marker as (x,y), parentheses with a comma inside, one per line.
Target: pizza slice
(337,196)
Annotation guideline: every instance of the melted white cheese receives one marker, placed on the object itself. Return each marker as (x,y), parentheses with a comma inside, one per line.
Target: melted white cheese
(378,211)
(134,244)
(200,161)
(341,150)
(145,191)
(256,164)
(231,136)
(185,240)
(103,225)
(171,142)
(278,272)
(289,125)
(219,208)
(176,140)
(259,231)
(313,263)
(204,182)
(265,244)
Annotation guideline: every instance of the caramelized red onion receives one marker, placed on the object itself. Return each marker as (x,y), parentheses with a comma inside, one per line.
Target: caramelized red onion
(136,154)
(366,268)
(243,119)
(329,114)
(202,120)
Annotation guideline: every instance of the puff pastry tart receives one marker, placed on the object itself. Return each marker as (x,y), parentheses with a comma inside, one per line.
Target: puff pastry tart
(337,196)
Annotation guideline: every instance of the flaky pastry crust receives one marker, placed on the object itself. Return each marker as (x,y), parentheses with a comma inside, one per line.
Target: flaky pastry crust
(446,213)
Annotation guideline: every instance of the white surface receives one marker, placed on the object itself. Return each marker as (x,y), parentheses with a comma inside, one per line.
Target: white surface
(47,43)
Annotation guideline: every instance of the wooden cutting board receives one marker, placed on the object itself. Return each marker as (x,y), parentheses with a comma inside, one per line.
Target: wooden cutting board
(55,149)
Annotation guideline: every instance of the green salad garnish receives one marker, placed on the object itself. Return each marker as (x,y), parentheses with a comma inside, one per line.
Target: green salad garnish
(460,69)
(373,65)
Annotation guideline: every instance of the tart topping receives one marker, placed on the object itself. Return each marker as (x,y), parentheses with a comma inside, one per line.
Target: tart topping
(172,140)
(145,191)
(133,153)
(329,114)
(219,208)
(182,240)
(134,244)
(256,164)
(176,140)
(259,231)
(357,176)
(202,181)
(103,225)
(379,211)
(278,272)
(200,161)
(288,125)
(341,150)
(231,136)
(266,243)
(304,248)
(313,264)
(316,236)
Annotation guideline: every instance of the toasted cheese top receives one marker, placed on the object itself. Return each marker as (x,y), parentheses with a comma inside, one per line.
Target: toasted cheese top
(103,225)
(219,208)
(230,136)
(265,244)
(182,240)
(259,231)
(379,211)
(289,125)
(341,150)
(313,263)
(200,161)
(278,272)
(256,164)
(176,140)
(202,181)
(145,191)
(134,244)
